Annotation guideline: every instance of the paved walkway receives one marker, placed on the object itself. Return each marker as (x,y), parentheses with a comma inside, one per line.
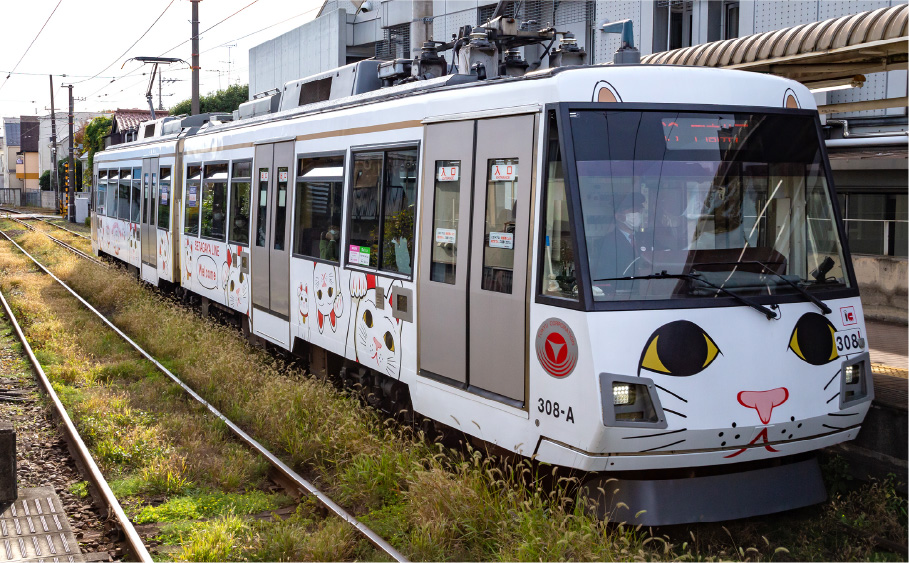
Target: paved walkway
(889,344)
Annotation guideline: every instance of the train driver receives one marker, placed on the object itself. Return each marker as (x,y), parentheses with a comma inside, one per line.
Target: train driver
(619,250)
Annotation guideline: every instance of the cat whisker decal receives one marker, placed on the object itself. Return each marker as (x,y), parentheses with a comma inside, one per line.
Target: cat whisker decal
(834,427)
(843,414)
(655,435)
(832,378)
(675,413)
(661,447)
(833,397)
(661,388)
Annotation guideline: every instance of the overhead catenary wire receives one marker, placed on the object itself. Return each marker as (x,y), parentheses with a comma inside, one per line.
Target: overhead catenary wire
(54,11)
(161,15)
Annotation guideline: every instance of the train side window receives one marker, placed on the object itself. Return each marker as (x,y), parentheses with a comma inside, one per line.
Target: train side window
(101,196)
(445,221)
(262,208)
(382,200)
(123,194)
(135,196)
(240,185)
(558,265)
(164,198)
(112,187)
(317,213)
(191,205)
(214,201)
(280,232)
(501,214)
(146,191)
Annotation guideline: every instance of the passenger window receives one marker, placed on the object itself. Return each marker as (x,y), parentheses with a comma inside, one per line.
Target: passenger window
(445,221)
(239,202)
(317,214)
(123,194)
(558,271)
(113,179)
(191,206)
(164,199)
(154,198)
(145,186)
(280,232)
(383,197)
(214,201)
(136,196)
(102,192)
(262,207)
(498,247)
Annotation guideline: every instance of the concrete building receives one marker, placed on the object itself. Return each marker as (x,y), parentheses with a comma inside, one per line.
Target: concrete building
(80,118)
(11,142)
(870,173)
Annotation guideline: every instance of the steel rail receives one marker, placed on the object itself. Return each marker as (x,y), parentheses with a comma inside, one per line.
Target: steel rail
(80,235)
(283,468)
(65,245)
(136,545)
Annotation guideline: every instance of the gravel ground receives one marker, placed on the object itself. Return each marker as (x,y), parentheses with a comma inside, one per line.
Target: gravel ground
(42,455)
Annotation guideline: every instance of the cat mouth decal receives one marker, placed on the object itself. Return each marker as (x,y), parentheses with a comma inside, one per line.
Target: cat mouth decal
(762,435)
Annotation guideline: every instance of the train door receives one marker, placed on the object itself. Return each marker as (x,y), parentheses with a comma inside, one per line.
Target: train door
(474,261)
(147,229)
(270,252)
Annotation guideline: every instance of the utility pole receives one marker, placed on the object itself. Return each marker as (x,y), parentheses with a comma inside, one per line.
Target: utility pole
(53,176)
(72,165)
(160,103)
(195,59)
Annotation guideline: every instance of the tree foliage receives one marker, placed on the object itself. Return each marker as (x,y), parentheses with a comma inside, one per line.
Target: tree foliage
(221,101)
(44,180)
(92,141)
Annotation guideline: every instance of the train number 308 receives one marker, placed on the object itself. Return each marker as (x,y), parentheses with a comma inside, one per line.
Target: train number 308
(553,409)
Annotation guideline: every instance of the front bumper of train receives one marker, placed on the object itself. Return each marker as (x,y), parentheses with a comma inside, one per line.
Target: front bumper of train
(558,453)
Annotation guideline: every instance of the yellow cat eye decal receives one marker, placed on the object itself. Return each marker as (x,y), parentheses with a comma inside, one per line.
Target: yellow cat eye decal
(679,348)
(389,342)
(814,339)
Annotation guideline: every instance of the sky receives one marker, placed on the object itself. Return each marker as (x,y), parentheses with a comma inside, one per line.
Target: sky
(82,37)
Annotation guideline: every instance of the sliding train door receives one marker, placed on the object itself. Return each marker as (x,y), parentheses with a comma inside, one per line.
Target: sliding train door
(478,178)
(270,248)
(147,225)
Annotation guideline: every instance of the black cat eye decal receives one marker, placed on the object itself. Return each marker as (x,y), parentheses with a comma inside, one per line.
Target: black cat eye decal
(814,339)
(679,348)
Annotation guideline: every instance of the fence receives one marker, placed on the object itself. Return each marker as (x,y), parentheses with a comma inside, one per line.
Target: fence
(11,196)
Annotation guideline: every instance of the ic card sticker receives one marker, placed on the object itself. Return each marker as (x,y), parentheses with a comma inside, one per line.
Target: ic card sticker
(365,253)
(848,314)
(354,255)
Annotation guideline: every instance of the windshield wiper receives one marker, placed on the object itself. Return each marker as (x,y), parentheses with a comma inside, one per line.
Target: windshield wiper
(697,277)
(820,304)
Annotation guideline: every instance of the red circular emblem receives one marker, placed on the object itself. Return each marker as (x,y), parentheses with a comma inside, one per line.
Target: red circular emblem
(557,348)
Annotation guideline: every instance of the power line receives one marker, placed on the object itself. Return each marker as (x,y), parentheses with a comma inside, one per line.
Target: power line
(32,43)
(264,28)
(133,45)
(45,74)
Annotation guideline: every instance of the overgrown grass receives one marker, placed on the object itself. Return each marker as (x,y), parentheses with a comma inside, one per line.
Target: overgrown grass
(431,503)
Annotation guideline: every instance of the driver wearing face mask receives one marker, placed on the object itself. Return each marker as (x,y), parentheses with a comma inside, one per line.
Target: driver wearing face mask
(618,250)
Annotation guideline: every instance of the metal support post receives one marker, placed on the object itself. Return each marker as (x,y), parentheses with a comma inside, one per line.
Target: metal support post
(195,59)
(72,163)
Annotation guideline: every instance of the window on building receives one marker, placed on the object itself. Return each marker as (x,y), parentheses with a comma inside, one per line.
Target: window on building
(317,214)
(123,194)
(191,205)
(876,223)
(381,219)
(240,182)
(730,20)
(214,201)
(135,205)
(164,195)
(672,25)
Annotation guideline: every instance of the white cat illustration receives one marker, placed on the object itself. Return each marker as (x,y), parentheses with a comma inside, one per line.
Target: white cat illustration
(303,310)
(188,260)
(238,291)
(329,301)
(377,334)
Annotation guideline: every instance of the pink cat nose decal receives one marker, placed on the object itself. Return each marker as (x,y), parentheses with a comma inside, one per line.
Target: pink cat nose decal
(378,344)
(764,401)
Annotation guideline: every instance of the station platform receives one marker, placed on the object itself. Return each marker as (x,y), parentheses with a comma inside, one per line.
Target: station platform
(35,528)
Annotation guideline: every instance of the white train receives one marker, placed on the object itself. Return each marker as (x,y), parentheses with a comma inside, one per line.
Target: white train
(633,270)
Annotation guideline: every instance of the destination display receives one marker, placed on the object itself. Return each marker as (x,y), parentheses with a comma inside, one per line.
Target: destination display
(693,133)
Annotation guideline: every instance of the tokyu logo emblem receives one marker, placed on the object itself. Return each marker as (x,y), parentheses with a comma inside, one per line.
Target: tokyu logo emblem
(557,348)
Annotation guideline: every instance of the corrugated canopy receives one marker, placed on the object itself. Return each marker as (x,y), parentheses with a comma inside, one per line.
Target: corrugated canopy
(837,48)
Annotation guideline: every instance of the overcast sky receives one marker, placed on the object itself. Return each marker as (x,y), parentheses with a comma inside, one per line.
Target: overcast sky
(84,36)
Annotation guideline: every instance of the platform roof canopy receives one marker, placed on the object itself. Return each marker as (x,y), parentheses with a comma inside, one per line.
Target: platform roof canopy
(818,54)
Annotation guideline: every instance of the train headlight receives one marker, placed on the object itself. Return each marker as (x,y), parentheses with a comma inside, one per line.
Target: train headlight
(856,384)
(623,393)
(630,401)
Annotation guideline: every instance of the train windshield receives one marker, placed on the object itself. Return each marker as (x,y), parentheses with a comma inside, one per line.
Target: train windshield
(675,204)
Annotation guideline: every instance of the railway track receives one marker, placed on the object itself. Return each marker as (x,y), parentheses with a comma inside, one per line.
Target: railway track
(286,476)
(62,228)
(59,242)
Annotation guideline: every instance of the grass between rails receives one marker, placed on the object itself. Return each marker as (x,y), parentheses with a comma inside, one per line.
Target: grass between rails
(431,505)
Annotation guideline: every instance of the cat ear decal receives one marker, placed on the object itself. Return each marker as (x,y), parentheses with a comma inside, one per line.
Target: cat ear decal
(679,348)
